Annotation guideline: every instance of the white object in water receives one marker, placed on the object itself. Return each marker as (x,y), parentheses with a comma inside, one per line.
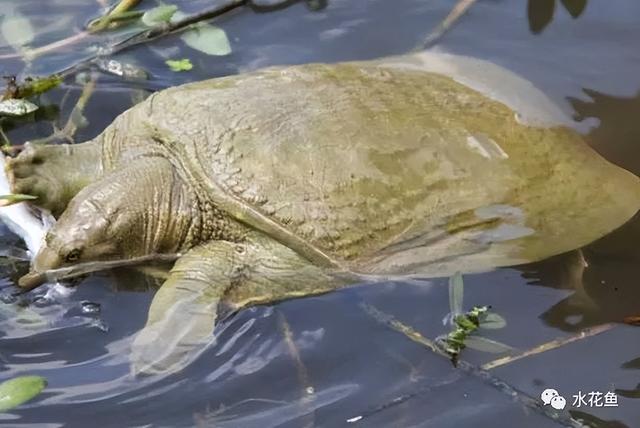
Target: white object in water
(29,223)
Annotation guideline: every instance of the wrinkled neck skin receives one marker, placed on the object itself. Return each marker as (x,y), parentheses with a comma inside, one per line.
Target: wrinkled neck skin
(141,209)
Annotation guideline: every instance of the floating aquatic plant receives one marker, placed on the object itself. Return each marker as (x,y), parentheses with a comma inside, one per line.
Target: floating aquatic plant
(208,39)
(179,64)
(19,390)
(466,324)
(30,87)
(158,15)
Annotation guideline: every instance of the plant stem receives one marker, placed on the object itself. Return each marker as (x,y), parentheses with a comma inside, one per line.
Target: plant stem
(139,38)
(70,128)
(157,32)
(556,343)
(478,372)
(456,13)
(302,372)
(103,22)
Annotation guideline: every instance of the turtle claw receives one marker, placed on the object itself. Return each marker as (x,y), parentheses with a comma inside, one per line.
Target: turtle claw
(53,173)
(37,171)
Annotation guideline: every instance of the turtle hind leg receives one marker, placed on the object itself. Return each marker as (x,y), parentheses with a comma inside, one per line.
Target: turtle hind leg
(54,173)
(211,281)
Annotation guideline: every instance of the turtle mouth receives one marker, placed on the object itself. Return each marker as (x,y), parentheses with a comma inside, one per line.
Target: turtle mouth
(32,280)
(44,261)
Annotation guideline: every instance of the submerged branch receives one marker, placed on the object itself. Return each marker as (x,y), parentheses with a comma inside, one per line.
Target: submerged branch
(32,53)
(478,372)
(144,36)
(456,13)
(553,344)
(302,372)
(172,27)
(35,279)
(76,117)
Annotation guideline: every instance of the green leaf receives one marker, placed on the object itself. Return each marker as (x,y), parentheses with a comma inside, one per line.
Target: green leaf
(19,390)
(483,344)
(209,39)
(17,30)
(179,64)
(31,87)
(456,293)
(158,15)
(177,17)
(16,107)
(14,198)
(492,321)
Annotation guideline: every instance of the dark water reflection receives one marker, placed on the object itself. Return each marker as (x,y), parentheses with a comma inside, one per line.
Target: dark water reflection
(249,376)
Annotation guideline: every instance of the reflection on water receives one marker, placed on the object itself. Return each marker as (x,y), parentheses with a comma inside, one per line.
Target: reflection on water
(344,363)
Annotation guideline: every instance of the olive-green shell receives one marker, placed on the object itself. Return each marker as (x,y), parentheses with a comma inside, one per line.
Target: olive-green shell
(382,170)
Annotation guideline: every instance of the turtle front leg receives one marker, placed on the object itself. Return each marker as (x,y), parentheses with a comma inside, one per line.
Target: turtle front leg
(211,281)
(54,173)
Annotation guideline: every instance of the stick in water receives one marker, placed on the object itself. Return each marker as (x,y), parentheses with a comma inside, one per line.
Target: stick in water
(35,279)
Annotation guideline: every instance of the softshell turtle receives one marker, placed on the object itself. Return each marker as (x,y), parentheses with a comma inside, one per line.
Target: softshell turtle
(291,181)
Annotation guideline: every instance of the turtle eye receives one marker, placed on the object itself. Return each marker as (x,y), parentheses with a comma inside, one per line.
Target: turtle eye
(73,255)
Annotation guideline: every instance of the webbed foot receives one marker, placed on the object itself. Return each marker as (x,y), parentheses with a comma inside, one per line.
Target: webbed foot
(213,276)
(54,173)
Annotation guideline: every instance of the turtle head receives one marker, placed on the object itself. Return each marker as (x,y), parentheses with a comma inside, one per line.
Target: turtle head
(127,215)
(77,237)
(87,231)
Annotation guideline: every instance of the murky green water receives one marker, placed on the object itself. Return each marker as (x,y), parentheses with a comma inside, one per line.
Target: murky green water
(351,364)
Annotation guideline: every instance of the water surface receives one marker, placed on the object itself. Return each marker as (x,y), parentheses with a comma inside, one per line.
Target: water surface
(351,364)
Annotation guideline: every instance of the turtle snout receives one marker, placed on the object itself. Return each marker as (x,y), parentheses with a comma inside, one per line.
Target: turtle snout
(45,260)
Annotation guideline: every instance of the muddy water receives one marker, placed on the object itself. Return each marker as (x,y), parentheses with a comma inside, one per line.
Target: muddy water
(351,364)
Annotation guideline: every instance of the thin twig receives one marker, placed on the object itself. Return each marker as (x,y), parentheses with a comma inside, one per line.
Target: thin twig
(32,53)
(155,33)
(480,373)
(141,37)
(120,12)
(4,140)
(301,370)
(456,13)
(172,27)
(553,344)
(71,127)
(35,279)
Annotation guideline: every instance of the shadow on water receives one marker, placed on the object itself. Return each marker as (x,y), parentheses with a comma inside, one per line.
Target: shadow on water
(605,273)
(343,362)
